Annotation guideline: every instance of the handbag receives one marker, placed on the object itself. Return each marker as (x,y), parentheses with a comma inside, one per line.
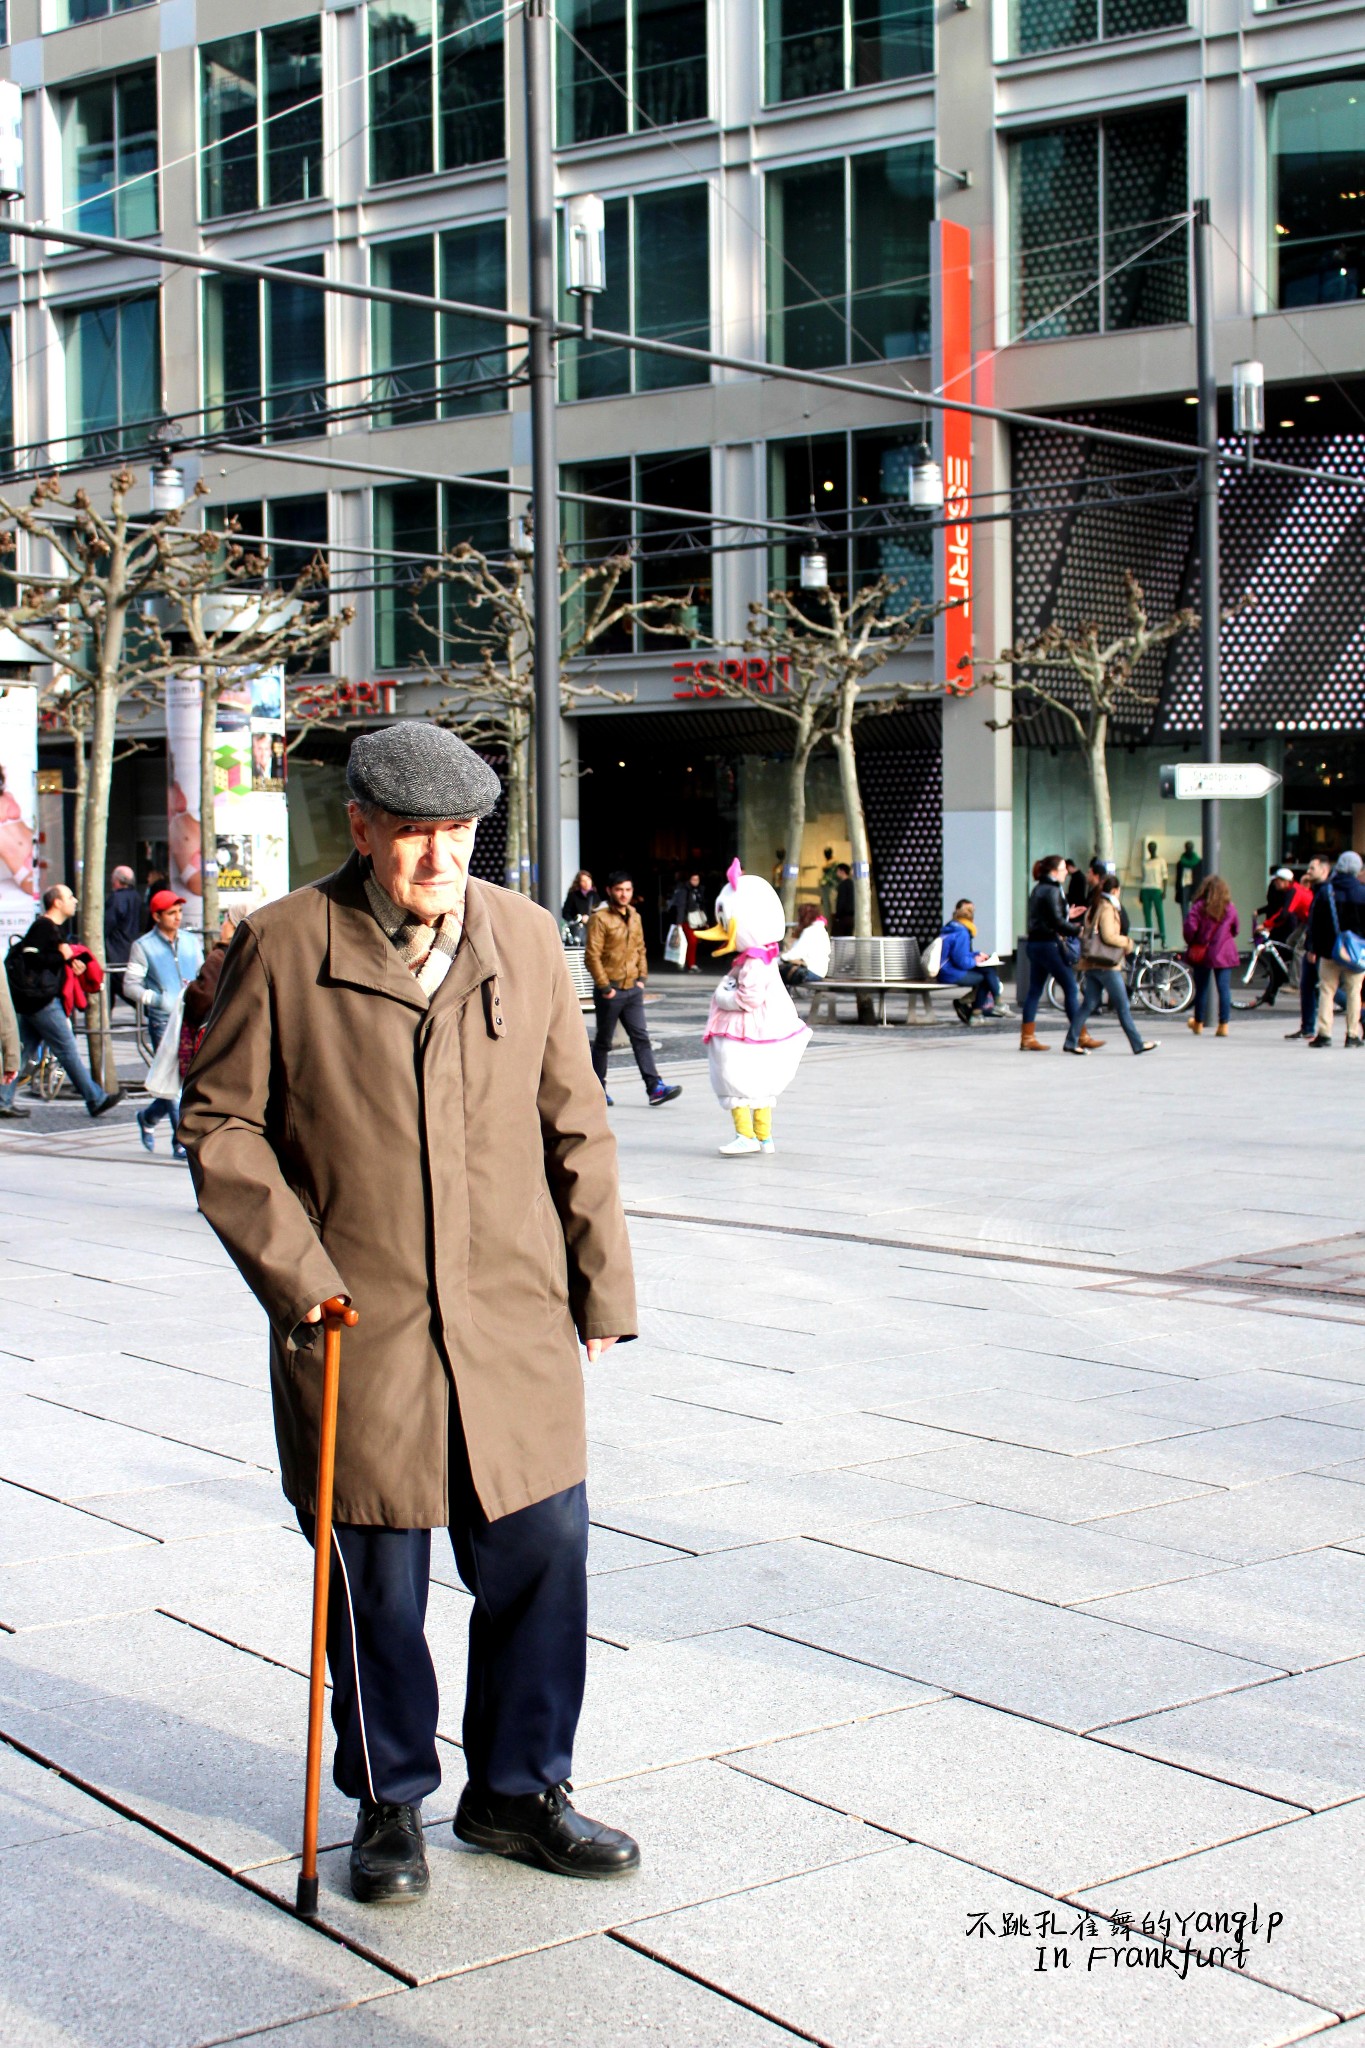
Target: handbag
(163,1075)
(1094,951)
(1348,948)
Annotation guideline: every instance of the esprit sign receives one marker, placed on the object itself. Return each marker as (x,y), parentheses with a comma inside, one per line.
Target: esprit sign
(953,555)
(327,699)
(720,678)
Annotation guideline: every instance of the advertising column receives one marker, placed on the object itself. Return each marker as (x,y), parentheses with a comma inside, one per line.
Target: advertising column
(18,809)
(183,698)
(252,814)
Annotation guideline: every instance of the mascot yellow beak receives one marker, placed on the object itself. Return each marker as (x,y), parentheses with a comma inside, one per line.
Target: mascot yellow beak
(723,937)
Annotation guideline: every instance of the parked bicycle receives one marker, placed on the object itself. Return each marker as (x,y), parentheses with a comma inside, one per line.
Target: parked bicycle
(1161,982)
(1272,964)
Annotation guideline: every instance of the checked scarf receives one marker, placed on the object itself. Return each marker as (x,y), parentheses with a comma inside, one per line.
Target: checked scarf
(425,950)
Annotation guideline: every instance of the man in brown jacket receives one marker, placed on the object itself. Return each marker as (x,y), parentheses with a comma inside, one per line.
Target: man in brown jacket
(614,954)
(394,1102)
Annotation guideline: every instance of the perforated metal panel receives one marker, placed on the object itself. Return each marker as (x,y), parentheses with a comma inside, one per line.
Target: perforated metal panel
(903,798)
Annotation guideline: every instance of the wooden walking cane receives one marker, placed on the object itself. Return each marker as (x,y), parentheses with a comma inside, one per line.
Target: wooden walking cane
(336,1316)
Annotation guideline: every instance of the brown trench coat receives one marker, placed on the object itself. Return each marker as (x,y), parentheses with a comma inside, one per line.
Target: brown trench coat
(447,1164)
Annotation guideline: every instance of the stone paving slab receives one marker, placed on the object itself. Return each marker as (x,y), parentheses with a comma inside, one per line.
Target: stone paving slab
(590,1993)
(1291,1611)
(1025,1554)
(765,1511)
(671,1703)
(199,1958)
(1243,1397)
(1060,1665)
(1300,1738)
(1043,1483)
(209,1414)
(1247,1451)
(1030,1803)
(1039,1422)
(1309,1870)
(196,1508)
(34,1528)
(242,1563)
(1272,1518)
(708,1832)
(36,1805)
(767,1580)
(71,1456)
(911,1978)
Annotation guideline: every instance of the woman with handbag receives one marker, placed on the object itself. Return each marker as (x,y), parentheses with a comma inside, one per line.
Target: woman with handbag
(1104,947)
(1211,929)
(1051,939)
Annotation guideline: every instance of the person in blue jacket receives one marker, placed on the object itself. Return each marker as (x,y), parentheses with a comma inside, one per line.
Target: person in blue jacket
(961,962)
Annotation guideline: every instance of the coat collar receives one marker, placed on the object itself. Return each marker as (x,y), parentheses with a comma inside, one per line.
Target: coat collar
(361,955)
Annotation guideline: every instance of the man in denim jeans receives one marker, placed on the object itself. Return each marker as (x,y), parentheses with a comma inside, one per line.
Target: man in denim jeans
(36,979)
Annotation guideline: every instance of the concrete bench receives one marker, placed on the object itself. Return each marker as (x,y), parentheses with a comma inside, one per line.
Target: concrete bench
(919,996)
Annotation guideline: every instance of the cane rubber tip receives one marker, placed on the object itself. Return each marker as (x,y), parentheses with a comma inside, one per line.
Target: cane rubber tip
(306,1904)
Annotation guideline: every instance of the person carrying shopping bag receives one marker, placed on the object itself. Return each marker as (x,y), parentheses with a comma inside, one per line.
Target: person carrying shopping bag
(1211,930)
(1104,948)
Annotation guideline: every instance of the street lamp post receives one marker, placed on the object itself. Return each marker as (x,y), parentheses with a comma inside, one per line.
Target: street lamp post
(1209,604)
(544,458)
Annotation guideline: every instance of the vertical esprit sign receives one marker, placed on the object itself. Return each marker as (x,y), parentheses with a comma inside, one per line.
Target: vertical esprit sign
(952,309)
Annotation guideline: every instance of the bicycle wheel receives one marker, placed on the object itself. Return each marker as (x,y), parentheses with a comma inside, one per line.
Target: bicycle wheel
(1252,985)
(1164,984)
(1052,995)
(50,1079)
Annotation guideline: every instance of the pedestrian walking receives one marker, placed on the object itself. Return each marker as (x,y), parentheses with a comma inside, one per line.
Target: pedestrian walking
(393,1105)
(1336,935)
(123,921)
(687,910)
(1211,927)
(160,966)
(829,882)
(1075,886)
(843,900)
(1105,947)
(581,900)
(615,958)
(1189,872)
(806,959)
(1283,914)
(1049,942)
(1313,878)
(962,965)
(36,968)
(1153,875)
(11,1052)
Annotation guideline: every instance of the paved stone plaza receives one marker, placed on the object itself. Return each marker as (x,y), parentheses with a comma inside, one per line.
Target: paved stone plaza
(979,1551)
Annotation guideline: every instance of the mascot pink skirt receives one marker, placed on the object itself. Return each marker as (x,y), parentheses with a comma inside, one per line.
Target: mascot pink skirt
(754,1038)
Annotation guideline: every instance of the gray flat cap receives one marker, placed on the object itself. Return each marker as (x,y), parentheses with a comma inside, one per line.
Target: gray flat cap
(419,770)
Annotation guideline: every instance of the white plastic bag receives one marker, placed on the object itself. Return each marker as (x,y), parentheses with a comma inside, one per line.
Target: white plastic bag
(163,1075)
(675,946)
(931,959)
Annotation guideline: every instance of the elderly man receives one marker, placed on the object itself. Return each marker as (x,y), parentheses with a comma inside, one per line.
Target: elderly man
(394,1102)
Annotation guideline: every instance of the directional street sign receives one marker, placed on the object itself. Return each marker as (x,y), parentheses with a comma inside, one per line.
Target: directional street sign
(1226,780)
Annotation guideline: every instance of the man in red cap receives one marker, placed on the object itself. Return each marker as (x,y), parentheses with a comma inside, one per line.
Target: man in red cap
(160,965)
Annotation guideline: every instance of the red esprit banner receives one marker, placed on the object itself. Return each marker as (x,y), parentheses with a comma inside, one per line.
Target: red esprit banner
(953,378)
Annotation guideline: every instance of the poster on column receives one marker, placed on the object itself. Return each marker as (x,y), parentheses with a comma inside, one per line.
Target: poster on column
(18,809)
(184,694)
(251,809)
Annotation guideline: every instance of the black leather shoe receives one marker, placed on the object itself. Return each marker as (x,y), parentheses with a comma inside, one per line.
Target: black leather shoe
(388,1860)
(543,1829)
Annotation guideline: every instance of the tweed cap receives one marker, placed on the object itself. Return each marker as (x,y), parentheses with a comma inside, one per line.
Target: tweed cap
(419,770)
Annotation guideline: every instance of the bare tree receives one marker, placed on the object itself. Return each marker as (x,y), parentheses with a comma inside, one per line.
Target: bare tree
(486,660)
(821,650)
(1089,677)
(99,596)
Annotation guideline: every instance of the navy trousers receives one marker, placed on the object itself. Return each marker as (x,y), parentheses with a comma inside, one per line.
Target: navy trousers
(527,1646)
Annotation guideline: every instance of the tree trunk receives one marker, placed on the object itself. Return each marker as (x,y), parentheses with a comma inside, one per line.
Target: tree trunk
(857,823)
(208,807)
(102,734)
(796,816)
(82,805)
(1097,761)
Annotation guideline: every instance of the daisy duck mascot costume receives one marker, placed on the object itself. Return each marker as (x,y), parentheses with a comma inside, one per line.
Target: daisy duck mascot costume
(754,1038)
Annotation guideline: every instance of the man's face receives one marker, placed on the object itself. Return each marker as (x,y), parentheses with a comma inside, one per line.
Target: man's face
(621,894)
(168,921)
(1315,872)
(422,864)
(64,908)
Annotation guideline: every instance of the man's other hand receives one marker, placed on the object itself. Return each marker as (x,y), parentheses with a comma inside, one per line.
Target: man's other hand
(596,1347)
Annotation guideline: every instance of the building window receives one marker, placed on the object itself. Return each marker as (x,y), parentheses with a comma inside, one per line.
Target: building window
(265,355)
(436,87)
(291,533)
(627,65)
(818,46)
(658,284)
(109,155)
(95,10)
(113,373)
(669,556)
(848,258)
(1056,24)
(1088,202)
(261,103)
(414,524)
(856,487)
(430,366)
(1317,183)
